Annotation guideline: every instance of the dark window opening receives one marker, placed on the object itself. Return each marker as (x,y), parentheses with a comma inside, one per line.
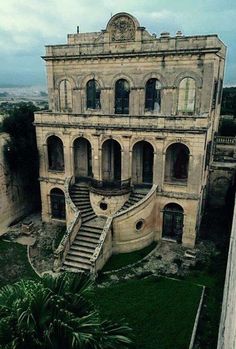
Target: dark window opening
(55,154)
(93,94)
(103,206)
(82,158)
(214,98)
(139,225)
(142,163)
(173,219)
(57,204)
(153,95)
(122,91)
(177,163)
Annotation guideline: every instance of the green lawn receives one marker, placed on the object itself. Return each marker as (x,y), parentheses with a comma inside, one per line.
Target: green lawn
(160,311)
(124,259)
(14,263)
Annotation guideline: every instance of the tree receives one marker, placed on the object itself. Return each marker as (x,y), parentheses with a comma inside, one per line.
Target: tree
(56,312)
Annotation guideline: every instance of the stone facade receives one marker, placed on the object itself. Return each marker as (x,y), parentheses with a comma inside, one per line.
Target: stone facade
(128,105)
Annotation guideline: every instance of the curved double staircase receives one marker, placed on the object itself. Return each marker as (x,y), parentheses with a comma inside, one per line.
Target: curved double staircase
(88,238)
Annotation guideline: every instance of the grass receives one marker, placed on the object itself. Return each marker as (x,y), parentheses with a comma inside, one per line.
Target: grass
(160,311)
(14,263)
(124,259)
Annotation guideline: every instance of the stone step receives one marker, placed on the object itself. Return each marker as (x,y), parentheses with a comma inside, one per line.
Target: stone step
(91,228)
(83,249)
(89,234)
(70,257)
(76,265)
(87,213)
(73,270)
(79,196)
(87,238)
(86,244)
(89,218)
(78,252)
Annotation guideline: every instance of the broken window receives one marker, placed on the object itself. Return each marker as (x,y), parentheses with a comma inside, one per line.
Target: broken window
(177,161)
(93,92)
(122,91)
(153,95)
(173,218)
(65,96)
(57,199)
(187,96)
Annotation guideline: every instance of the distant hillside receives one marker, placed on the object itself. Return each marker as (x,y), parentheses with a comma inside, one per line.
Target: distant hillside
(228,104)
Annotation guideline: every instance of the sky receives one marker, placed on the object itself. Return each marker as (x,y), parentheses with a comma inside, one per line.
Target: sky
(26,26)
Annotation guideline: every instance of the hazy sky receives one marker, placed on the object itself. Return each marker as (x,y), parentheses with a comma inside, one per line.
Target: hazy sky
(26,26)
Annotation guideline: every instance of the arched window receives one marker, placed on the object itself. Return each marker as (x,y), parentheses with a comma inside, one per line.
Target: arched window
(65,96)
(93,92)
(122,91)
(55,154)
(177,161)
(187,96)
(173,218)
(57,199)
(153,95)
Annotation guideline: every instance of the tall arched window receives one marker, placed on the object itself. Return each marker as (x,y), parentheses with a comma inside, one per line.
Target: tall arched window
(122,91)
(187,96)
(153,95)
(65,96)
(93,92)
(55,154)
(177,161)
(57,199)
(173,218)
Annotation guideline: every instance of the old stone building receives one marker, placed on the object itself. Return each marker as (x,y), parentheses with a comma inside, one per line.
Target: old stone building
(126,144)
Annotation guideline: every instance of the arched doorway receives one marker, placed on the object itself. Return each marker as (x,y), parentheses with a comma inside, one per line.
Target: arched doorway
(142,163)
(173,218)
(111,160)
(57,199)
(177,163)
(55,154)
(82,158)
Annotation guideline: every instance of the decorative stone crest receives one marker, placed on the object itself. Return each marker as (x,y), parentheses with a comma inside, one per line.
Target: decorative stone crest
(122,29)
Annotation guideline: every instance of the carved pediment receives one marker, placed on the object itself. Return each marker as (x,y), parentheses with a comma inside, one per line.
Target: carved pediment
(122,29)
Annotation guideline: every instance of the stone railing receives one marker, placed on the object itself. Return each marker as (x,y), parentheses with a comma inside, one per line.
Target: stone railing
(225,140)
(104,249)
(73,223)
(136,207)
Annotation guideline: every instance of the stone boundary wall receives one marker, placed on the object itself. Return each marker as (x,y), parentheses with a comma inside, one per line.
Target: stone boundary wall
(14,198)
(227,331)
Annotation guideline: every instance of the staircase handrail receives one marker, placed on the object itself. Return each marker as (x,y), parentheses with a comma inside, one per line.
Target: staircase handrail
(72,228)
(139,203)
(103,236)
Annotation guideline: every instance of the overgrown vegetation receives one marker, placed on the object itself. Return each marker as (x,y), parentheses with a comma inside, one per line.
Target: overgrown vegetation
(160,311)
(54,313)
(14,263)
(124,259)
(228,104)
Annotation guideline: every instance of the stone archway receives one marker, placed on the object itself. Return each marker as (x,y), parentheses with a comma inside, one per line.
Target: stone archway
(82,157)
(111,160)
(173,218)
(142,163)
(57,199)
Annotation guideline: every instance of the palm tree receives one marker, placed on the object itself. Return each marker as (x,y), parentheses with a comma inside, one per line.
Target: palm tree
(56,312)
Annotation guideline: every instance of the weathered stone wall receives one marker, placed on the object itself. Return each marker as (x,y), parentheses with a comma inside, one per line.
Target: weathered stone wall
(227,331)
(14,198)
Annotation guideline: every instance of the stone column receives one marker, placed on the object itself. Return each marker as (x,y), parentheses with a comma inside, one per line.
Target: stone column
(125,158)
(96,157)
